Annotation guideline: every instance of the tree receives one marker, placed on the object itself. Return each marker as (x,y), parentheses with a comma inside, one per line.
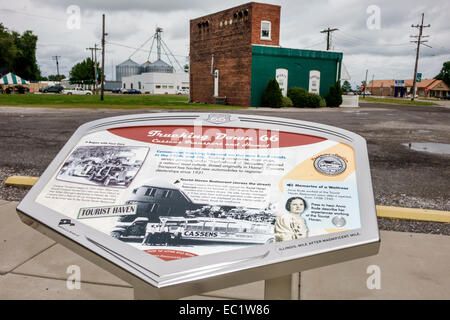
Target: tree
(18,54)
(84,71)
(272,96)
(8,50)
(25,63)
(55,77)
(334,96)
(444,75)
(346,86)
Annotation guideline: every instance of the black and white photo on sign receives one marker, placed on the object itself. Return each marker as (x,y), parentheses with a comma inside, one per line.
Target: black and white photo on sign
(166,215)
(103,165)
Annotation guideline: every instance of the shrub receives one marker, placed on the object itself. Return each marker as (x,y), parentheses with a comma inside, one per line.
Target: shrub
(302,98)
(313,100)
(272,96)
(298,96)
(323,103)
(287,102)
(334,96)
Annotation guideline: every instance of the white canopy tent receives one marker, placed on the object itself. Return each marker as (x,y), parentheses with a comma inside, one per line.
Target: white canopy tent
(10,83)
(12,79)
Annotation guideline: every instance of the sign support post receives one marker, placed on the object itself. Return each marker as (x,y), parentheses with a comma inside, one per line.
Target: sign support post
(283,288)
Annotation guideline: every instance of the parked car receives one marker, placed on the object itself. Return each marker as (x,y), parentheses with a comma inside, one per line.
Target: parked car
(446,98)
(53,89)
(118,90)
(132,91)
(183,91)
(77,91)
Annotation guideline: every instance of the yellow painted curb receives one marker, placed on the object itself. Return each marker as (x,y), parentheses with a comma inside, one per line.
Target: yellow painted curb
(21,181)
(413,214)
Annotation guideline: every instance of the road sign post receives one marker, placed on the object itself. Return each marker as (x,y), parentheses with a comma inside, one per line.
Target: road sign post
(178,204)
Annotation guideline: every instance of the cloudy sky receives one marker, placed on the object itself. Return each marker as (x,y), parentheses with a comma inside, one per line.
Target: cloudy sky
(373,35)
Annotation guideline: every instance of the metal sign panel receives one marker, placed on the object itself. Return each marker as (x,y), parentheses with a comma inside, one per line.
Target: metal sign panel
(281,75)
(314,81)
(399,83)
(192,202)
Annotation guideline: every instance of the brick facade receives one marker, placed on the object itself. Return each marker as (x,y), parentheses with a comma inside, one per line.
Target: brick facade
(228,35)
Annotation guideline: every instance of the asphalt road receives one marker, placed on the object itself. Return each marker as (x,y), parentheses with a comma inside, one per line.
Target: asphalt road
(31,137)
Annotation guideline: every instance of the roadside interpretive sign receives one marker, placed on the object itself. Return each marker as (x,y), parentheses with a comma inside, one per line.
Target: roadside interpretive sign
(198,201)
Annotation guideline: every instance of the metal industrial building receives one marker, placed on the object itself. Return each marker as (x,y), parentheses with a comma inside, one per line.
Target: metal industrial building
(235,52)
(154,78)
(127,68)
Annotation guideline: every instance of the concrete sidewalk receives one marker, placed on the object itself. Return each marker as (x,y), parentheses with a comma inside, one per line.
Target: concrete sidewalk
(410,265)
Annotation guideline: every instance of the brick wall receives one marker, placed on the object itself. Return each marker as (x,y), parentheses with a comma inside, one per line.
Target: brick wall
(266,12)
(228,35)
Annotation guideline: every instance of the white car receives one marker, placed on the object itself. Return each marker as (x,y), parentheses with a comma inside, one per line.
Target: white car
(183,91)
(77,91)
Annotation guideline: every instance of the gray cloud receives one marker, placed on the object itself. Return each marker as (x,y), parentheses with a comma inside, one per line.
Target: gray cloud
(386,52)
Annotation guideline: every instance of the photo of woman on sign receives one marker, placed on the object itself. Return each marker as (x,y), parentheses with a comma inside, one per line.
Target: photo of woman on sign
(291,226)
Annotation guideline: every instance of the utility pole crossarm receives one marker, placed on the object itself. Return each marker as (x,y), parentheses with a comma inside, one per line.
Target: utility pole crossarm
(328,31)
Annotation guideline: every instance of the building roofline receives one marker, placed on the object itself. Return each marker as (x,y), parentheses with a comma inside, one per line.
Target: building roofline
(239,6)
(261,49)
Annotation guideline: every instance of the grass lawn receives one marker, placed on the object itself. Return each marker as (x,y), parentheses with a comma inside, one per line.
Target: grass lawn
(397,101)
(110,101)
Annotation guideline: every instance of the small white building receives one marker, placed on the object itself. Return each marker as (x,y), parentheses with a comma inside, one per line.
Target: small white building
(157,82)
(156,78)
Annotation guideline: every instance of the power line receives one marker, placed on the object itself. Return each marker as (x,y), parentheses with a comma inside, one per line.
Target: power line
(313,45)
(143,50)
(39,16)
(352,41)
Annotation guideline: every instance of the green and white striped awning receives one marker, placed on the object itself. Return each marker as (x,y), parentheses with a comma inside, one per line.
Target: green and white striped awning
(11,78)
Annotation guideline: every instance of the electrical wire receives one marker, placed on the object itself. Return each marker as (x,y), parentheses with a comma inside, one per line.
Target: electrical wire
(40,16)
(144,50)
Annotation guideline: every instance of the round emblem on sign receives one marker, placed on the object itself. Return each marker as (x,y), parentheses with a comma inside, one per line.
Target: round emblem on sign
(339,221)
(330,165)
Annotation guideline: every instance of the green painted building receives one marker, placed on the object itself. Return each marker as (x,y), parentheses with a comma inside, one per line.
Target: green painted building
(316,71)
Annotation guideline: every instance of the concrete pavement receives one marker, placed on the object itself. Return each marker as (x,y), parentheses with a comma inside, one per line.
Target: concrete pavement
(409,266)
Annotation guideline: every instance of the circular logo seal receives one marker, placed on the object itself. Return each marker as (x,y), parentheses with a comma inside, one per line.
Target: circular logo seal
(330,165)
(339,221)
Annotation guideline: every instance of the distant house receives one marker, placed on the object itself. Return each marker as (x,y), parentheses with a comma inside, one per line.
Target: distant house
(425,88)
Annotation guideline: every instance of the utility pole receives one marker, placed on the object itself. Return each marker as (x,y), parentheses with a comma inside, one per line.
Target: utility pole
(419,41)
(328,31)
(57,65)
(373,76)
(103,58)
(94,60)
(365,85)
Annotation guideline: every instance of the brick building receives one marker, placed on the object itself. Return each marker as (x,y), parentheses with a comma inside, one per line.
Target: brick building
(234,53)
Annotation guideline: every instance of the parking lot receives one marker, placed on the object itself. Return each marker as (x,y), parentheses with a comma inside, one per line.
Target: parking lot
(401,176)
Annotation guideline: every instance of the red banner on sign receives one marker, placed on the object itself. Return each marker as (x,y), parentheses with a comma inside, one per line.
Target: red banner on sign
(215,137)
(168,255)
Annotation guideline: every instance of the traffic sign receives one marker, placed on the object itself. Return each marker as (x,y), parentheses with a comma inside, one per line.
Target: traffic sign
(419,77)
